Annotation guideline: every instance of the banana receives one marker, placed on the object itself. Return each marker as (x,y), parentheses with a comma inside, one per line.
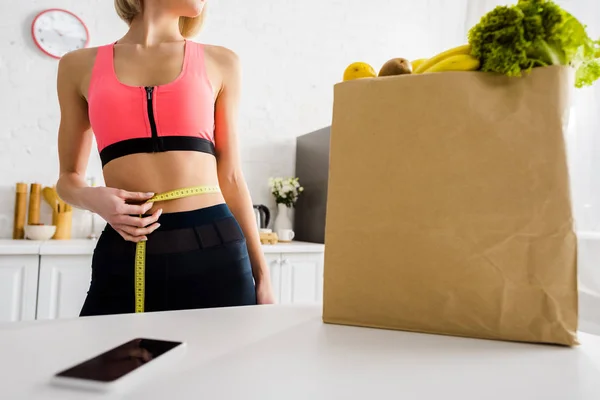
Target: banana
(463,49)
(416,63)
(461,62)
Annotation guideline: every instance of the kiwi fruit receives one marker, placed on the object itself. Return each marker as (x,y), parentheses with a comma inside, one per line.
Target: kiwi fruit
(396,66)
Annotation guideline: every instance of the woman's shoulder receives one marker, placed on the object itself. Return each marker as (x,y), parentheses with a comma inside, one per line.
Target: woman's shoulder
(220,55)
(79,60)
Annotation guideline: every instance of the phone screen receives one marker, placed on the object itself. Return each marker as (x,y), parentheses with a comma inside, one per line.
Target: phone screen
(119,361)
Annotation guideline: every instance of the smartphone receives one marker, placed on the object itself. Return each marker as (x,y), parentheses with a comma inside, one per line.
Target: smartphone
(121,366)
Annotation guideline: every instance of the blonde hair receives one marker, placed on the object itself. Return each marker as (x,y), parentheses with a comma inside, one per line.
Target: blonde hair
(129,9)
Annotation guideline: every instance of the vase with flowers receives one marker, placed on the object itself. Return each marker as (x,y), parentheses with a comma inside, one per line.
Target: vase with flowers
(286,192)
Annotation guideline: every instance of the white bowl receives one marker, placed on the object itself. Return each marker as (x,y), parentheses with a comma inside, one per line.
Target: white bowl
(40,232)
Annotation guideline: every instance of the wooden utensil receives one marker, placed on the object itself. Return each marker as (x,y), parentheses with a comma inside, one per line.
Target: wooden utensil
(62,206)
(50,197)
(59,202)
(62,213)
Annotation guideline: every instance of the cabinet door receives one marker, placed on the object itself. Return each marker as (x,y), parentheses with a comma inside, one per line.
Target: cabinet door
(18,287)
(302,278)
(64,282)
(274,263)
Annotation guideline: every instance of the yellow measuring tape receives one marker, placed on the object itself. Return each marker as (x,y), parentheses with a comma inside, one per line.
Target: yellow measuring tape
(140,248)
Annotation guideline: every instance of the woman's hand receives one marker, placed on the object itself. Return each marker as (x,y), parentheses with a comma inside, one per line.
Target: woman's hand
(264,293)
(74,143)
(114,206)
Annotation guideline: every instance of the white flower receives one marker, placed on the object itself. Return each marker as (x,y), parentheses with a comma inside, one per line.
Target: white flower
(285,190)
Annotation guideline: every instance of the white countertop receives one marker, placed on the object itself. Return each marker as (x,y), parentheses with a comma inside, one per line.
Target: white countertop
(286,352)
(86,247)
(19,247)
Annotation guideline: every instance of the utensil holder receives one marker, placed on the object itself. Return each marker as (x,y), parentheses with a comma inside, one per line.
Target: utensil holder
(63,222)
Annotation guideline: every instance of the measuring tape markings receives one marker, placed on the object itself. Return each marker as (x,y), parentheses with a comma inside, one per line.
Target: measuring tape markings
(140,248)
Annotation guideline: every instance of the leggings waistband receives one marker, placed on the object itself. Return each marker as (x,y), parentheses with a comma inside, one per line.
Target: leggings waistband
(184,231)
(190,219)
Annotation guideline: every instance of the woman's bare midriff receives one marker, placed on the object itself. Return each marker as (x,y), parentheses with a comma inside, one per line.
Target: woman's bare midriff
(162,172)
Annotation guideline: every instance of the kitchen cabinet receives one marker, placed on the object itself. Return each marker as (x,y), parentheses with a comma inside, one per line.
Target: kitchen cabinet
(19,261)
(274,263)
(18,287)
(65,273)
(50,280)
(297,277)
(64,281)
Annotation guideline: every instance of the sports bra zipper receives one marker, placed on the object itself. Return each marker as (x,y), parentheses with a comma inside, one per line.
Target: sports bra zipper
(150,108)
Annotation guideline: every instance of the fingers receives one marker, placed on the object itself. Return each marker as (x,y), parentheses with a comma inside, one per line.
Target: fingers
(135,234)
(135,229)
(138,232)
(134,209)
(138,222)
(137,196)
(128,237)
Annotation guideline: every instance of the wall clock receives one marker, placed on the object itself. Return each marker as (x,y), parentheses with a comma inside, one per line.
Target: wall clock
(57,32)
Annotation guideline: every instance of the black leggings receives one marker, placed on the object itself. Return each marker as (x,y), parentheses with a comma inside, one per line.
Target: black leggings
(195,259)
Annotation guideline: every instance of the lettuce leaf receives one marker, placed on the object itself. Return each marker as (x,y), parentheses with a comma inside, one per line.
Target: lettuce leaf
(535,33)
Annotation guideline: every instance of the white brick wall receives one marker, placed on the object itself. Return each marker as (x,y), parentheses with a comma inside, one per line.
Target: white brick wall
(292,53)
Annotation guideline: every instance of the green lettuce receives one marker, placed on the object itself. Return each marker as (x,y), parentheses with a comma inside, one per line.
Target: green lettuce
(534,33)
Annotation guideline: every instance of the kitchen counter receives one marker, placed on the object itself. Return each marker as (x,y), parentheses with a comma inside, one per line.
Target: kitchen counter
(286,352)
(86,247)
(50,279)
(19,247)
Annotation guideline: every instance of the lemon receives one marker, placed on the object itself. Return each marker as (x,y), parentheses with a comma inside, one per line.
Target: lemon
(359,70)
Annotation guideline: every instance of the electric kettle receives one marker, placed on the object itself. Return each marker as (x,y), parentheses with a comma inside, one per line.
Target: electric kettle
(262,215)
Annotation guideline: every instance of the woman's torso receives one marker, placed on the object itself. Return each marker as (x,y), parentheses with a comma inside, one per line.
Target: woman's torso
(152,113)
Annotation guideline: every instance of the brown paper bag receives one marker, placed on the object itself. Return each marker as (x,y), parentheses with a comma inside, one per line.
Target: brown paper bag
(449,208)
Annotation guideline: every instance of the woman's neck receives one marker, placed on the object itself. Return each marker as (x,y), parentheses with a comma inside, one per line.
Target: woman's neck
(152,27)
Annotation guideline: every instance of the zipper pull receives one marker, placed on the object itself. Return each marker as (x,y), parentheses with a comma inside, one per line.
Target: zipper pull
(149,92)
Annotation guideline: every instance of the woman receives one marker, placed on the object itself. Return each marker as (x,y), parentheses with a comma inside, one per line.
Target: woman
(163,110)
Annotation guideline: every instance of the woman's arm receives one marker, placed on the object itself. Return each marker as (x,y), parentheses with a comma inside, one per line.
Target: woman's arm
(74,133)
(231,179)
(74,145)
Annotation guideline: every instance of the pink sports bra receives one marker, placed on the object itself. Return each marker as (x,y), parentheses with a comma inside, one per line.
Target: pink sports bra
(132,119)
